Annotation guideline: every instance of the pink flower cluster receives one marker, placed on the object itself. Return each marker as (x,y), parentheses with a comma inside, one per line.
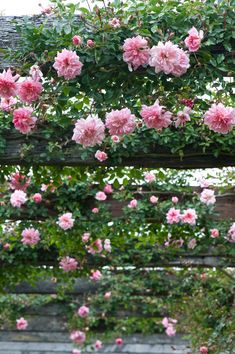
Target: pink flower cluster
(30,237)
(169,58)
(89,132)
(67,64)
(182,117)
(18,198)
(101,196)
(95,247)
(120,122)
(193,41)
(189,216)
(23,120)
(136,52)
(66,221)
(169,324)
(220,119)
(68,264)
(155,116)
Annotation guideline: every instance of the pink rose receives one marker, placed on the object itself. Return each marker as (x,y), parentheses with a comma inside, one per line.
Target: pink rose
(119,341)
(136,52)
(76,351)
(96,275)
(101,196)
(21,324)
(67,64)
(114,22)
(170,331)
(120,122)
(107,245)
(115,138)
(66,221)
(83,311)
(149,177)
(101,155)
(30,237)
(189,216)
(95,210)
(89,131)
(68,264)
(18,198)
(108,189)
(78,337)
(208,196)
(6,246)
(214,233)
(107,295)
(192,243)
(77,40)
(153,199)
(193,41)
(98,345)
(173,216)
(90,43)
(8,85)
(220,119)
(23,120)
(133,204)
(85,237)
(174,200)
(29,90)
(156,116)
(203,350)
(37,198)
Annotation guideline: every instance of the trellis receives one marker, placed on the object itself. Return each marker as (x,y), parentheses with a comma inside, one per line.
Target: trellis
(14,152)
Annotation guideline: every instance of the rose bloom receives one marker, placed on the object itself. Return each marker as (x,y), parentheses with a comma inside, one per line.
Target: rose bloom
(90,43)
(231,233)
(95,247)
(173,216)
(35,73)
(37,198)
(30,237)
(78,337)
(107,245)
(101,196)
(182,117)
(8,85)
(208,196)
(108,189)
(23,120)
(95,275)
(155,116)
(170,331)
(68,264)
(83,311)
(66,221)
(107,295)
(220,119)
(203,350)
(192,243)
(21,324)
(193,41)
(136,52)
(119,341)
(120,122)
(133,204)
(85,237)
(174,200)
(115,139)
(114,22)
(204,183)
(29,90)
(153,199)
(95,210)
(19,181)
(214,233)
(7,103)
(149,177)
(18,198)
(77,40)
(89,132)
(189,216)
(169,59)
(67,64)
(98,345)
(6,246)
(101,155)
(76,351)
